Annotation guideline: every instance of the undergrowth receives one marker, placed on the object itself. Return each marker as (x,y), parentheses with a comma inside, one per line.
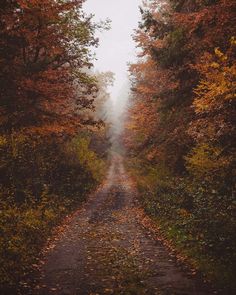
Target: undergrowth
(41,184)
(198,220)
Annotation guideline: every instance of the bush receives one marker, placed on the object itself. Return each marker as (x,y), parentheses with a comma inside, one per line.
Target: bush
(195,215)
(43,179)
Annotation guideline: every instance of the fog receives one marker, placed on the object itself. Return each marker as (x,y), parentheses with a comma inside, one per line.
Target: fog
(116,49)
(116,113)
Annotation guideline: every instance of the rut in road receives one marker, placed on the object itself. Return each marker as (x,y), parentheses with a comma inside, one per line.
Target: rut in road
(105,250)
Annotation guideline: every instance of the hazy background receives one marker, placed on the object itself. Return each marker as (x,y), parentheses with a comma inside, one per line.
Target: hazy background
(116,47)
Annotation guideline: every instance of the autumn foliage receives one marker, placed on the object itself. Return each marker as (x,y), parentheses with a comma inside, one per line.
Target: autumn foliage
(181,130)
(44,48)
(49,161)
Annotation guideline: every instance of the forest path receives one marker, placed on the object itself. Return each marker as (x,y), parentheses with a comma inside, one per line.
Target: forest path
(105,250)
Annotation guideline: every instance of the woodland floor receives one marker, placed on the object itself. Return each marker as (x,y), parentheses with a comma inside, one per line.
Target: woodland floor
(105,250)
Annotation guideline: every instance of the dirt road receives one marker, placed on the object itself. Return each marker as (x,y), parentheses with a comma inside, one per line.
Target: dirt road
(105,250)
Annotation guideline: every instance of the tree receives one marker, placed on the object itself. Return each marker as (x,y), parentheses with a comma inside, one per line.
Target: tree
(181,126)
(213,128)
(45,46)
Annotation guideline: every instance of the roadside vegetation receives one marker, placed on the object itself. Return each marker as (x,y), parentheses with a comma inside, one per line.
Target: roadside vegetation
(52,150)
(180,133)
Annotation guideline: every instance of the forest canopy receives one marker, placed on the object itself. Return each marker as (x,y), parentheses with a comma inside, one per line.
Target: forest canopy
(184,90)
(52,154)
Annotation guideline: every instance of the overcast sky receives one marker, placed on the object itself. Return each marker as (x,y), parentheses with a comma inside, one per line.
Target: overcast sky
(117,47)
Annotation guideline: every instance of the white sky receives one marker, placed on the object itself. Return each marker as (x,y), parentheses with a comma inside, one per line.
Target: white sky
(117,47)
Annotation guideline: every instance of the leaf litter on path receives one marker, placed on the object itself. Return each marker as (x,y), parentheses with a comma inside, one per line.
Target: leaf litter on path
(104,249)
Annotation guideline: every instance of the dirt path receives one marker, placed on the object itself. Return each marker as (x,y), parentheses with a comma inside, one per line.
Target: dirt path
(105,250)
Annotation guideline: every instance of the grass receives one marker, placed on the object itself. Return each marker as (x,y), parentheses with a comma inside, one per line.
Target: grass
(179,229)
